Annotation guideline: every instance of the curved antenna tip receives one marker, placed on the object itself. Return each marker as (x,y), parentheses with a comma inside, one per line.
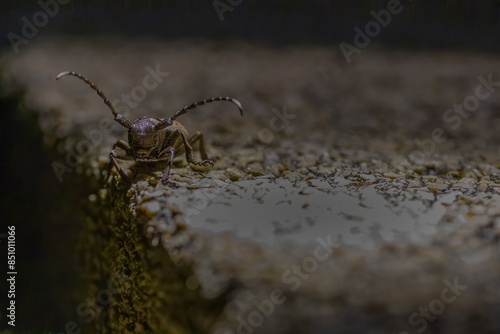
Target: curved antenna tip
(62,74)
(238,104)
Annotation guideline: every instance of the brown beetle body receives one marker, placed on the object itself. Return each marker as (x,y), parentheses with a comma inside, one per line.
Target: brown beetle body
(156,139)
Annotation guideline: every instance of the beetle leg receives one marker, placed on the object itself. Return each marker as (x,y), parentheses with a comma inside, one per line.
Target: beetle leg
(115,154)
(196,165)
(166,173)
(198,136)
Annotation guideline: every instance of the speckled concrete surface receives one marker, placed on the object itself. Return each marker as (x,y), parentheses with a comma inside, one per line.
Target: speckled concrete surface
(336,213)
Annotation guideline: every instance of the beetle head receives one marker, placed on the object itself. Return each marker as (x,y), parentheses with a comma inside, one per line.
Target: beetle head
(142,137)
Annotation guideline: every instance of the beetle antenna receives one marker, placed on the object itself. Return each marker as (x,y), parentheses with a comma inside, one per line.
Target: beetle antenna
(118,117)
(200,103)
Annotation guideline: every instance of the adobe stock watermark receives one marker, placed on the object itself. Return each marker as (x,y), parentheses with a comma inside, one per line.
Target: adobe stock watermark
(95,137)
(223,6)
(454,117)
(372,29)
(277,124)
(436,306)
(29,30)
(292,278)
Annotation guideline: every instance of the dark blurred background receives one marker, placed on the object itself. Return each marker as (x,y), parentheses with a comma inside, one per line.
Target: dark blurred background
(467,24)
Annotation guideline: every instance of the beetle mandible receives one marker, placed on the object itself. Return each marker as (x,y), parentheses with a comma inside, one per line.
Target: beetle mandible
(156,139)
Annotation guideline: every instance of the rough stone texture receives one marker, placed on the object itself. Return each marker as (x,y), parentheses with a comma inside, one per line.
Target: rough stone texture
(393,219)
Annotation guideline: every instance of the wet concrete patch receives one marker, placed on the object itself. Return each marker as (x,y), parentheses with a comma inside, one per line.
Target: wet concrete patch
(276,211)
